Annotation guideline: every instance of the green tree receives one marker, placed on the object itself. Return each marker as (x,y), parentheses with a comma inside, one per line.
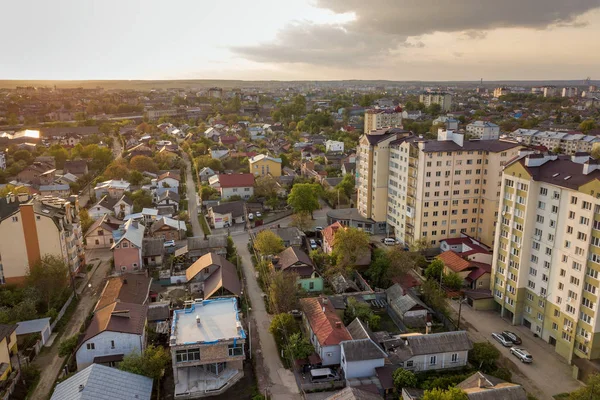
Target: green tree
(349,245)
(587,125)
(151,363)
(484,356)
(60,155)
(434,296)
(283,323)
(86,220)
(298,347)
(435,269)
(441,394)
(355,309)
(141,199)
(453,281)
(404,379)
(49,276)
(268,243)
(590,391)
(22,155)
(136,178)
(283,291)
(304,197)
(143,164)
(67,346)
(346,185)
(265,186)
(302,221)
(116,171)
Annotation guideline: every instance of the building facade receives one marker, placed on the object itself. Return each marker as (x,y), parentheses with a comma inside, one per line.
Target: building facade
(443,99)
(262,165)
(546,264)
(484,130)
(382,118)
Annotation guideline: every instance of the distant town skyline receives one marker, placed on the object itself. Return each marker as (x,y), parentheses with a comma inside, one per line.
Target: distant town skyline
(302,40)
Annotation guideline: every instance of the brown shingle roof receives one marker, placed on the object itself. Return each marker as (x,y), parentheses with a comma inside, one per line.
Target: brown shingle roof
(236,180)
(117,317)
(206,261)
(127,288)
(324,322)
(295,260)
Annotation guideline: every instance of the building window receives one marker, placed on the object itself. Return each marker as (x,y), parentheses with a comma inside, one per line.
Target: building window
(112,344)
(187,355)
(15,219)
(236,350)
(454,358)
(90,346)
(410,363)
(432,360)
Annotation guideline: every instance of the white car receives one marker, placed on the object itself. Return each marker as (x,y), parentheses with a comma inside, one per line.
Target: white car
(503,340)
(169,243)
(389,241)
(313,244)
(258,214)
(250,216)
(522,355)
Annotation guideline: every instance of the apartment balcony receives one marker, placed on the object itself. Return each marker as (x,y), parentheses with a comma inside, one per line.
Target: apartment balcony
(410,212)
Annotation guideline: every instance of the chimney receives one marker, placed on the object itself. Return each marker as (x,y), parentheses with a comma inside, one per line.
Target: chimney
(325,300)
(120,313)
(480,382)
(81,387)
(338,324)
(198,319)
(125,281)
(428,328)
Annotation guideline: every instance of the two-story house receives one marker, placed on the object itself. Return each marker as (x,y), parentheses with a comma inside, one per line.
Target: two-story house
(435,351)
(118,207)
(294,260)
(168,180)
(113,188)
(38,173)
(226,214)
(8,347)
(212,275)
(168,229)
(262,164)
(100,234)
(233,185)
(324,329)
(166,199)
(78,168)
(127,247)
(207,347)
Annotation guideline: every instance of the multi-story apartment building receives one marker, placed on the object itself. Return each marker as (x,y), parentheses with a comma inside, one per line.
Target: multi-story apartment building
(436,189)
(207,347)
(484,130)
(568,142)
(501,91)
(570,92)
(32,227)
(550,91)
(382,118)
(443,99)
(546,265)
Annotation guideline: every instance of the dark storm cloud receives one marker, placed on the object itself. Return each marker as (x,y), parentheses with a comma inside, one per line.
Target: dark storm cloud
(381,26)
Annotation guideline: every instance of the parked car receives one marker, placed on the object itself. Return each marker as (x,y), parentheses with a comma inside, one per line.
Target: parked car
(169,243)
(296,313)
(389,241)
(250,216)
(522,355)
(258,214)
(313,244)
(502,340)
(512,337)
(322,375)
(318,229)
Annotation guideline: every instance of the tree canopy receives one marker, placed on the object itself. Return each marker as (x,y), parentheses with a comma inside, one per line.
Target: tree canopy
(49,276)
(349,245)
(404,378)
(151,363)
(268,242)
(304,197)
(453,393)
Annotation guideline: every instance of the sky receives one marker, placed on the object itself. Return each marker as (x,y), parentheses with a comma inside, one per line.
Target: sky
(432,40)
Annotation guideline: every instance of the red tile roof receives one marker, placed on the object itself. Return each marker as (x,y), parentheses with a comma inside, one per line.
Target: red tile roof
(454,261)
(324,322)
(329,232)
(236,180)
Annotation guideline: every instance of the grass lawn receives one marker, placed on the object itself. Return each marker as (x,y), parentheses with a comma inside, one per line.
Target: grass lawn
(386,323)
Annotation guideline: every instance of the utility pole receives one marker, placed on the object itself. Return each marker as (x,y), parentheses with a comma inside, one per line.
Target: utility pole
(460,302)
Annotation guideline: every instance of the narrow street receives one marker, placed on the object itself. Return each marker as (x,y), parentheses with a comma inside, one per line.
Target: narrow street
(49,362)
(192,197)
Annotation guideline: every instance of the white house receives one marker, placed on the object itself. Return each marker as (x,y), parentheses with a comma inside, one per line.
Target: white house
(168,179)
(102,207)
(324,328)
(233,185)
(116,330)
(433,351)
(484,130)
(359,358)
(206,173)
(113,188)
(256,132)
(332,146)
(218,153)
(226,214)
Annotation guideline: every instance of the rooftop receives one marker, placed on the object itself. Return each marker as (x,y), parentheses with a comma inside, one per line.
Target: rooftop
(324,322)
(219,320)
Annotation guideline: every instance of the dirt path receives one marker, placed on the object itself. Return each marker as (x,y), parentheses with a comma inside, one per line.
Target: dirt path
(49,362)
(192,197)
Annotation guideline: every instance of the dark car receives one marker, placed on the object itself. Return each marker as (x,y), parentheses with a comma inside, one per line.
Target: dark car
(512,337)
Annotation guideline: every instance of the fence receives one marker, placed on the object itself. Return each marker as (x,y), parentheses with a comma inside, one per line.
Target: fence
(62,311)
(323,386)
(9,389)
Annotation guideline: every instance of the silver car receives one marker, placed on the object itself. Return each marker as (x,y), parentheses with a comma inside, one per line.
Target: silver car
(522,355)
(504,341)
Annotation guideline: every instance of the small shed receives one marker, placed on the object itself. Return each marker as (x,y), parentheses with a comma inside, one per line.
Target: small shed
(41,326)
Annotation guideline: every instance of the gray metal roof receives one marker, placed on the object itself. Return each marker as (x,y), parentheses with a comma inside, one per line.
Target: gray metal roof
(32,326)
(104,383)
(439,343)
(361,349)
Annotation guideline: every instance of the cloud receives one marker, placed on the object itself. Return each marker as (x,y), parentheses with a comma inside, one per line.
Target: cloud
(382,27)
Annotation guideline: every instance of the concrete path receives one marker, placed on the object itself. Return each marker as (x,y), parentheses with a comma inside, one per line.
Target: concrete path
(49,362)
(548,375)
(281,382)
(192,197)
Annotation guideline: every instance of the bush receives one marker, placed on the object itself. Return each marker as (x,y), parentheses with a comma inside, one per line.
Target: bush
(67,346)
(30,374)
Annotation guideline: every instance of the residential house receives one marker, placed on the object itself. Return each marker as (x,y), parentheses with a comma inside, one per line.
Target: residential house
(262,165)
(112,206)
(212,275)
(228,140)
(139,150)
(126,288)
(168,198)
(206,173)
(198,246)
(332,146)
(475,274)
(480,386)
(352,393)
(233,185)
(37,173)
(147,216)
(33,226)
(99,381)
(361,356)
(100,234)
(349,168)
(78,168)
(127,247)
(219,152)
(66,179)
(207,347)
(324,328)
(115,331)
(294,260)
(169,180)
(256,132)
(8,348)
(226,214)
(483,130)
(329,243)
(406,307)
(153,252)
(168,229)
(57,190)
(113,188)
(291,236)
(434,351)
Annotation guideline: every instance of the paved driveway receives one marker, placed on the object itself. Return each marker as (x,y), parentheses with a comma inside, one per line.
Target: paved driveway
(548,375)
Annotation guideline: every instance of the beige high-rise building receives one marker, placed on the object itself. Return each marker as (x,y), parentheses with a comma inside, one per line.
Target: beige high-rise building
(382,118)
(546,265)
(435,189)
(443,99)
